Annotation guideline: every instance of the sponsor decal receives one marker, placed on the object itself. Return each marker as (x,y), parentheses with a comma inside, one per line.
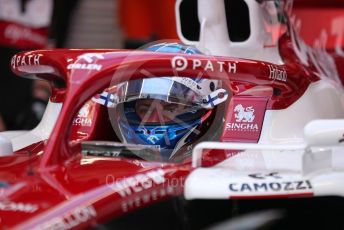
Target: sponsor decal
(141,200)
(70,219)
(244,119)
(190,83)
(84,111)
(279,74)
(242,127)
(265,176)
(272,187)
(83,118)
(244,114)
(89,58)
(18,207)
(180,63)
(85,66)
(23,60)
(82,121)
(138,183)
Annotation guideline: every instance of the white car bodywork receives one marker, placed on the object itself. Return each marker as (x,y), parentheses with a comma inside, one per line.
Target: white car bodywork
(214,39)
(16,140)
(294,146)
(313,168)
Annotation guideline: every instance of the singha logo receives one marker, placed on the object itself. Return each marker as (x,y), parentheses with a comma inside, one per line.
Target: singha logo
(244,114)
(82,119)
(84,111)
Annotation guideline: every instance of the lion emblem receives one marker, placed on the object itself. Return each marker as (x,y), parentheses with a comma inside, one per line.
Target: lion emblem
(84,111)
(244,114)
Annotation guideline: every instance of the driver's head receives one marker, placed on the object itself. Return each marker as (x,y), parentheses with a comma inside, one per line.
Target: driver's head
(155,111)
(169,112)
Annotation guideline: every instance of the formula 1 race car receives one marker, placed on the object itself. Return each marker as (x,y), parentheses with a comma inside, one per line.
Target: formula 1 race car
(130,139)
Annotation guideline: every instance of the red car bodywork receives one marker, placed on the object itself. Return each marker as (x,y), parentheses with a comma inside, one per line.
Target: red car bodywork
(52,185)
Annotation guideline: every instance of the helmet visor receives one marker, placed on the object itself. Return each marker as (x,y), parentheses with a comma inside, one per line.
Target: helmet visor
(164,88)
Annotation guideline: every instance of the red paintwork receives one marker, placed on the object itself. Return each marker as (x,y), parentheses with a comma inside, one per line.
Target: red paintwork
(22,37)
(340,62)
(57,180)
(318,3)
(314,29)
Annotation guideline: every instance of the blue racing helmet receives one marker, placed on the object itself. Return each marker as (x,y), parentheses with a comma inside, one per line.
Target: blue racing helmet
(166,112)
(173,48)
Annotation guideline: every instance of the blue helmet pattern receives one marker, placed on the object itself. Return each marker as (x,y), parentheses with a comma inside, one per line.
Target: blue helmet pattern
(173,48)
(169,136)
